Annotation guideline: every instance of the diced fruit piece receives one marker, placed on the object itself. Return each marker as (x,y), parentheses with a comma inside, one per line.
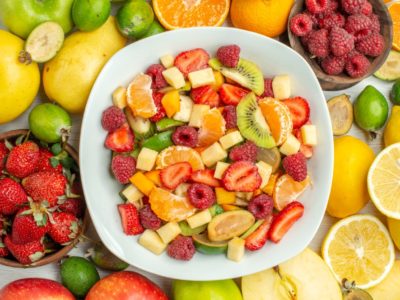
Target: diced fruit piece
(132,194)
(192,60)
(281,86)
(205,176)
(138,124)
(144,184)
(287,190)
(186,88)
(265,171)
(244,195)
(212,128)
(306,150)
(309,135)
(252,229)
(285,220)
(130,219)
(167,60)
(205,95)
(231,139)
(121,140)
(270,156)
(236,249)
(216,209)
(230,207)
(219,80)
(154,176)
(299,109)
(290,146)
(176,154)
(199,219)
(152,242)
(159,142)
(185,110)
(166,123)
(140,96)
(205,246)
(341,113)
(241,176)
(174,77)
(171,103)
(224,197)
(258,238)
(157,79)
(213,154)
(187,231)
(196,117)
(119,97)
(160,111)
(201,77)
(146,159)
(168,232)
(231,94)
(181,190)
(220,169)
(175,174)
(270,187)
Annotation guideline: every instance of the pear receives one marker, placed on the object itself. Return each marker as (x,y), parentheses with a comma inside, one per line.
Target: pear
(389,288)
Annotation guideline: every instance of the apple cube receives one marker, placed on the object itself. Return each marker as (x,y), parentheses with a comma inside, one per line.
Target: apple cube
(265,171)
(236,249)
(171,103)
(244,195)
(220,169)
(174,77)
(186,106)
(213,154)
(181,190)
(290,146)
(224,197)
(152,242)
(168,232)
(167,61)
(199,219)
(281,86)
(231,139)
(132,194)
(146,159)
(201,77)
(119,97)
(196,117)
(309,135)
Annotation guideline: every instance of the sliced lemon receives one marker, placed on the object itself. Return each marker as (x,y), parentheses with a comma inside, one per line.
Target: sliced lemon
(384,181)
(359,248)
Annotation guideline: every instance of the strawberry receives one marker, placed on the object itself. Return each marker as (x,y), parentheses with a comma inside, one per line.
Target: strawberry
(22,159)
(12,195)
(241,176)
(205,95)
(192,60)
(308,151)
(3,155)
(3,225)
(175,174)
(299,110)
(258,238)
(44,162)
(3,250)
(284,220)
(73,206)
(205,176)
(231,94)
(26,253)
(121,140)
(157,97)
(64,228)
(45,186)
(130,219)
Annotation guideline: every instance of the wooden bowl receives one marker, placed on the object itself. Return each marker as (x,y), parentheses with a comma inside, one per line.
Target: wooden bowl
(56,256)
(343,81)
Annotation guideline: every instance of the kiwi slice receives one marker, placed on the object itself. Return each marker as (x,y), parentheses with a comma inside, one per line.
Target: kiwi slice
(252,124)
(341,113)
(246,73)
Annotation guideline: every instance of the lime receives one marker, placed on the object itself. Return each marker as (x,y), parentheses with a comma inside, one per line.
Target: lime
(103,258)
(159,141)
(49,122)
(395,93)
(78,275)
(134,18)
(89,15)
(154,28)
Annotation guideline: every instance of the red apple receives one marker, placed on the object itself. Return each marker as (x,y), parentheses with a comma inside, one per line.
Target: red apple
(35,289)
(125,285)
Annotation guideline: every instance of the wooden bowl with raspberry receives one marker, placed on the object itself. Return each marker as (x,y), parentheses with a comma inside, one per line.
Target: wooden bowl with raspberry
(60,219)
(344,41)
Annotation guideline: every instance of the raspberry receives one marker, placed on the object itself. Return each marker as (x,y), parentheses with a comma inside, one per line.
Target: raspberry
(296,166)
(366,9)
(373,45)
(268,91)
(317,6)
(353,6)
(332,6)
(229,114)
(301,24)
(229,55)
(200,195)
(155,72)
(314,19)
(246,151)
(332,20)
(357,65)
(261,206)
(181,248)
(318,43)
(306,39)
(375,24)
(359,26)
(112,118)
(341,41)
(333,65)
(123,167)
(148,218)
(185,136)
(157,97)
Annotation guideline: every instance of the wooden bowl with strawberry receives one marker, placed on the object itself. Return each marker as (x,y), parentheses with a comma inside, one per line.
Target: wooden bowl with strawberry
(344,41)
(42,209)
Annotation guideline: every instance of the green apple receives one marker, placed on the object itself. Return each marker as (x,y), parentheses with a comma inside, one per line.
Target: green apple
(206,290)
(21,17)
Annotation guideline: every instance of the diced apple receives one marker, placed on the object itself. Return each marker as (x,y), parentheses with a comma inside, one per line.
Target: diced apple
(186,106)
(224,197)
(168,232)
(181,190)
(309,135)
(220,169)
(265,171)
(213,154)
(171,103)
(201,77)
(132,194)
(174,77)
(290,146)
(167,61)
(146,159)
(199,219)
(138,124)
(236,249)
(281,86)
(196,117)
(244,195)
(231,139)
(119,97)
(152,242)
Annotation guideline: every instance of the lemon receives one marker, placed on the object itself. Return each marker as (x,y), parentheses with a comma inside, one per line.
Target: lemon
(384,181)
(349,192)
(359,249)
(389,288)
(391,134)
(394,229)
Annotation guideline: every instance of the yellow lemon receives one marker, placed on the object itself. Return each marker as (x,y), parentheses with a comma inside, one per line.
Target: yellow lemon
(394,229)
(391,134)
(349,191)
(389,288)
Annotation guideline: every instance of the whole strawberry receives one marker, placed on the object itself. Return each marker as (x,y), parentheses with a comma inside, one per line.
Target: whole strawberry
(65,228)
(26,253)
(296,166)
(3,155)
(44,162)
(3,249)
(73,206)
(12,196)
(22,159)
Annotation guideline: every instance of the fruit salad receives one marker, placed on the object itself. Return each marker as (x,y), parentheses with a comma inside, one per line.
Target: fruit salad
(212,155)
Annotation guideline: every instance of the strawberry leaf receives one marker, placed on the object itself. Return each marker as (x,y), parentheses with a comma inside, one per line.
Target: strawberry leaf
(56,149)
(8,144)
(19,139)
(54,162)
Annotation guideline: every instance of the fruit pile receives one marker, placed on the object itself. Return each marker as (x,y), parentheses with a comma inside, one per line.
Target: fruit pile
(343,35)
(40,204)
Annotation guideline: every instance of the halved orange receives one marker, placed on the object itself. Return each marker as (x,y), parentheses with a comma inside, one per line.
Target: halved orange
(212,128)
(287,190)
(394,10)
(174,14)
(175,154)
(140,96)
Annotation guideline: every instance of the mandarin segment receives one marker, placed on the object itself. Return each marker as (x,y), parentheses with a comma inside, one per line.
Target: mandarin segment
(287,190)
(140,96)
(212,128)
(175,154)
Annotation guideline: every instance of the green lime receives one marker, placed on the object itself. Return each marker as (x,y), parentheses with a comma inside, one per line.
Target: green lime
(103,258)
(154,28)
(89,15)
(134,18)
(78,275)
(395,93)
(167,123)
(159,141)
(49,122)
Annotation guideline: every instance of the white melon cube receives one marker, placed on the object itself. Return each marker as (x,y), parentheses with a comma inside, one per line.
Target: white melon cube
(213,154)
(119,97)
(231,139)
(185,110)
(181,190)
(290,146)
(168,232)
(132,194)
(236,249)
(146,159)
(265,171)
(152,242)
(174,77)
(220,169)
(196,117)
(201,77)
(167,61)
(281,86)
(309,135)
(199,219)
(244,195)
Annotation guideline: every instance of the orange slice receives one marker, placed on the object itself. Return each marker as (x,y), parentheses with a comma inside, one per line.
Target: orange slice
(394,10)
(212,128)
(140,97)
(174,14)
(170,207)
(175,154)
(288,190)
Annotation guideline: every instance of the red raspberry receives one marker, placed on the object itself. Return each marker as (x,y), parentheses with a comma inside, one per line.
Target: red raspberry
(296,166)
(332,7)
(3,153)
(341,41)
(357,66)
(332,20)
(155,72)
(261,206)
(268,91)
(301,24)
(318,43)
(375,24)
(353,6)
(366,9)
(317,6)
(229,55)
(200,195)
(359,26)
(157,97)
(246,151)
(181,248)
(148,218)
(112,118)
(185,136)
(229,114)
(373,45)
(333,65)
(123,168)
(305,40)
(314,19)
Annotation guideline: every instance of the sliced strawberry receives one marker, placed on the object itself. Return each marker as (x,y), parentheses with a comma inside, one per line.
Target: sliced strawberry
(157,97)
(258,238)
(308,151)
(192,60)
(130,219)
(231,94)
(121,140)
(175,174)
(241,176)
(299,110)
(205,95)
(206,177)
(284,220)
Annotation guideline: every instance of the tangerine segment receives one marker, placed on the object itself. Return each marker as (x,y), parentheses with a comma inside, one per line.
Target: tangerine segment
(140,96)
(288,190)
(174,14)
(212,128)
(278,118)
(175,154)
(170,207)
(394,10)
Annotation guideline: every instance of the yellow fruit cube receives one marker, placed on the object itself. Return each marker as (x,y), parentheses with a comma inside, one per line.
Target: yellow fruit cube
(220,169)
(146,159)
(219,80)
(213,154)
(196,117)
(154,176)
(199,219)
(265,171)
(201,77)
(224,197)
(269,188)
(144,184)
(168,232)
(236,249)
(231,139)
(281,86)
(244,195)
(132,194)
(309,135)
(119,97)
(181,189)
(290,146)
(174,77)
(229,207)
(167,61)
(185,109)
(152,242)
(171,103)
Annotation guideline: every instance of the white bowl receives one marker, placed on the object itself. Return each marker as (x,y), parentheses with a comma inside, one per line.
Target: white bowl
(101,190)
